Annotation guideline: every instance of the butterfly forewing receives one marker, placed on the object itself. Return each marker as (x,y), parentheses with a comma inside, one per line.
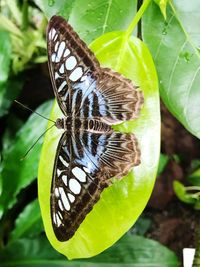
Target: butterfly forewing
(89,153)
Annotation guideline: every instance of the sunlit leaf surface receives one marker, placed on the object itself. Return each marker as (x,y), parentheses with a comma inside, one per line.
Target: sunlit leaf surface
(174,45)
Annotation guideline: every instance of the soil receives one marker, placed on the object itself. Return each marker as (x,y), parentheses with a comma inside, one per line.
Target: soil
(173,222)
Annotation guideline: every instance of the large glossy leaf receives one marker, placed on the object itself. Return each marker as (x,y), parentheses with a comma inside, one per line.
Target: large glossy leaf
(92,18)
(177,59)
(52,7)
(5,58)
(120,204)
(28,223)
(16,173)
(130,251)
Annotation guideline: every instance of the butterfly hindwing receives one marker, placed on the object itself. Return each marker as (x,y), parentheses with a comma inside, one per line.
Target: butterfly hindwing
(83,167)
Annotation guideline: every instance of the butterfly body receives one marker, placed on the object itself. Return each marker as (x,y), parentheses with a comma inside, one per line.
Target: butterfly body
(89,152)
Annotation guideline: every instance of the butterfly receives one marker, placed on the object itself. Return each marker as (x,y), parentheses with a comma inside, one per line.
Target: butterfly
(89,152)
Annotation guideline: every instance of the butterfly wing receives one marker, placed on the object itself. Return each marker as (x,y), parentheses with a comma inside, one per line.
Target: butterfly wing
(81,86)
(71,63)
(82,170)
(86,160)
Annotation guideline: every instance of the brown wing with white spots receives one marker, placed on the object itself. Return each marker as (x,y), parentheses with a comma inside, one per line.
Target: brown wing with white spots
(81,86)
(84,164)
(71,63)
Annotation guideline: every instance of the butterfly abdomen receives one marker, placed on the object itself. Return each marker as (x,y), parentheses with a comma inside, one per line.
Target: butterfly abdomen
(82,124)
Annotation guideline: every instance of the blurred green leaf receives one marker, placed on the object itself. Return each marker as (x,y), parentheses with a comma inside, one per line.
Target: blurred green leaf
(93,18)
(188,13)
(194,178)
(130,251)
(177,59)
(182,194)
(164,159)
(52,7)
(12,89)
(141,226)
(5,59)
(163,5)
(197,205)
(13,124)
(138,251)
(16,173)
(28,223)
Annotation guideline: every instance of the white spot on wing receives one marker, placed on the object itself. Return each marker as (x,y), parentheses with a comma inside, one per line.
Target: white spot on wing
(56,192)
(60,205)
(67,52)
(62,69)
(76,74)
(60,215)
(58,172)
(71,197)
(64,162)
(70,63)
(58,220)
(62,86)
(79,174)
(52,33)
(53,57)
(55,38)
(83,78)
(86,169)
(64,199)
(61,49)
(57,75)
(54,218)
(64,178)
(56,46)
(74,186)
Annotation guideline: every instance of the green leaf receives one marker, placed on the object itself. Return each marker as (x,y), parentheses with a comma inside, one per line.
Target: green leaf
(93,18)
(28,223)
(163,5)
(181,193)
(138,251)
(52,7)
(130,251)
(5,58)
(122,203)
(164,159)
(141,226)
(16,173)
(12,89)
(177,60)
(194,178)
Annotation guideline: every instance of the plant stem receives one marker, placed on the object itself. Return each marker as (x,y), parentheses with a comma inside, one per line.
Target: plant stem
(188,188)
(137,17)
(25,15)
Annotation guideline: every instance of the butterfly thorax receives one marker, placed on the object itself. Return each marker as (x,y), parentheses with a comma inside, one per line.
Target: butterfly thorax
(77,124)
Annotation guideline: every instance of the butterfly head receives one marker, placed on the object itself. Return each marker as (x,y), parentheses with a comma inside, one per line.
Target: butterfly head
(60,123)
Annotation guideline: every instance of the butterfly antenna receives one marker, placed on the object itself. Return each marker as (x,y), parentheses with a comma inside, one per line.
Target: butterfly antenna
(25,107)
(36,142)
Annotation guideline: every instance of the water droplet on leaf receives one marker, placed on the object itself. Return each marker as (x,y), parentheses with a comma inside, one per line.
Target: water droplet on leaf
(186,56)
(164,31)
(51,2)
